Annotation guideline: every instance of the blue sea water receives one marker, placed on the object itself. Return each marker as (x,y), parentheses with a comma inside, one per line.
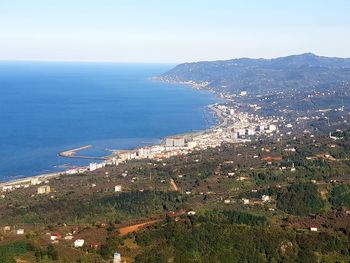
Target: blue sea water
(46,108)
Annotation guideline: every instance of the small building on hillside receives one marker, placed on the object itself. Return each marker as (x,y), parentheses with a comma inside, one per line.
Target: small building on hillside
(118,188)
(55,236)
(20,231)
(265,198)
(45,189)
(117,258)
(6,228)
(34,181)
(313,228)
(92,167)
(79,243)
(191,213)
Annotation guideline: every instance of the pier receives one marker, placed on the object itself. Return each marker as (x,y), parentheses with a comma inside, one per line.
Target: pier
(73,154)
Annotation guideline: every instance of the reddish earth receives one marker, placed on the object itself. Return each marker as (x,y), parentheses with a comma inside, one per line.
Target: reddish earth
(134,228)
(273,158)
(173,184)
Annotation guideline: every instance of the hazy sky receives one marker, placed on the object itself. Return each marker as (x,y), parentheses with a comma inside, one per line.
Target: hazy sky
(171,31)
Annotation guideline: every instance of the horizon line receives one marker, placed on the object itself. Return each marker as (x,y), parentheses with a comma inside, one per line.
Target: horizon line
(159,62)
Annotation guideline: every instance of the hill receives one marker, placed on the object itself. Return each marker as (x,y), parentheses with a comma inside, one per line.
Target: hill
(304,72)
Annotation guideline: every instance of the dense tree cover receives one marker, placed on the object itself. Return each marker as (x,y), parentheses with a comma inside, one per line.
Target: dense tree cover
(108,207)
(49,254)
(340,196)
(10,251)
(231,217)
(208,241)
(144,203)
(300,199)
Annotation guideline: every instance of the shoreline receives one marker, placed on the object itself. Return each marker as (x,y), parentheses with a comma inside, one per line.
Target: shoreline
(71,153)
(26,180)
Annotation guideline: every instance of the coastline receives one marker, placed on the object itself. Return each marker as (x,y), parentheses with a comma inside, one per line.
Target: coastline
(26,180)
(71,153)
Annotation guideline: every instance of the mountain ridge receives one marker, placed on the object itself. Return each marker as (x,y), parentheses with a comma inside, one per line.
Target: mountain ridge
(302,71)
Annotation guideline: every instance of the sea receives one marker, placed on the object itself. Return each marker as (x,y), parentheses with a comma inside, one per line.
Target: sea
(50,107)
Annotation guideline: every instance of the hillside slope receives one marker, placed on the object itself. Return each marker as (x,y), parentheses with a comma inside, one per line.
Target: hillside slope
(305,71)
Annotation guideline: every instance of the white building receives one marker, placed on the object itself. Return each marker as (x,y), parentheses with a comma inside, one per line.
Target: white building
(72,171)
(117,188)
(240,132)
(79,243)
(92,167)
(265,198)
(45,189)
(179,142)
(250,131)
(7,188)
(175,142)
(20,232)
(245,201)
(169,142)
(117,258)
(34,181)
(272,128)
(313,228)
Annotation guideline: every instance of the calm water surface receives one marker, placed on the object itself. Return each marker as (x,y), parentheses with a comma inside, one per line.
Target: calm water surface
(46,108)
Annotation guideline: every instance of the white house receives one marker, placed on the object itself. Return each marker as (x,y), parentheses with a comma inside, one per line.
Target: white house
(245,201)
(117,258)
(79,243)
(55,236)
(117,188)
(265,198)
(20,232)
(92,167)
(313,228)
(45,189)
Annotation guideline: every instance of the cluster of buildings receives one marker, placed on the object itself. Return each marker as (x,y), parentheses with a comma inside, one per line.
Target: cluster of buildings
(171,147)
(26,183)
(235,127)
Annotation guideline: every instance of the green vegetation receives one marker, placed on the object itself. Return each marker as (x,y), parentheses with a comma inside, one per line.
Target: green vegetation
(144,203)
(340,196)
(49,254)
(232,217)
(10,251)
(219,241)
(212,183)
(300,199)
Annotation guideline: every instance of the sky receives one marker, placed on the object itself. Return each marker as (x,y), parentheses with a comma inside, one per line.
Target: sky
(176,31)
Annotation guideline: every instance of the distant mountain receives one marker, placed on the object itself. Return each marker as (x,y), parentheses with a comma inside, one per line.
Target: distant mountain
(305,71)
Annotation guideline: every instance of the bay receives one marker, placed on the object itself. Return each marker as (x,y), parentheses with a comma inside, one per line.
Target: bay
(49,107)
